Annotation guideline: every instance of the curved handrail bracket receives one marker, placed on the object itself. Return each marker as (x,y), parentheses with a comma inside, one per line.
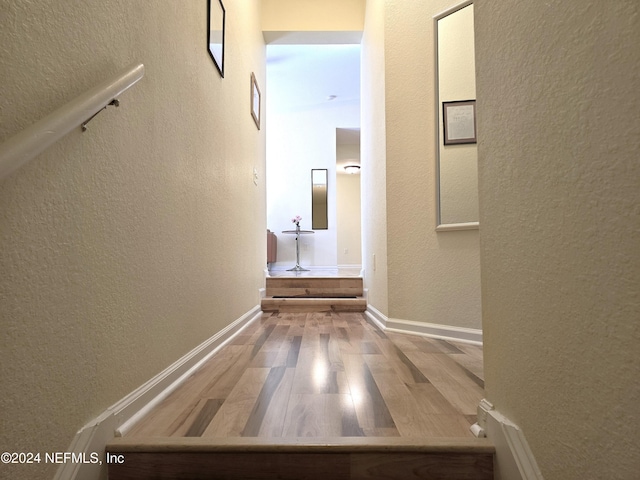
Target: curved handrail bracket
(33,140)
(115,102)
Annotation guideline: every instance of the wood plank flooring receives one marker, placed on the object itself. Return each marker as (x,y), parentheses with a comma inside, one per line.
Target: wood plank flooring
(325,374)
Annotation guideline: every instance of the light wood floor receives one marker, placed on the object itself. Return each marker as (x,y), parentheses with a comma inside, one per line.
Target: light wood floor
(317,272)
(292,375)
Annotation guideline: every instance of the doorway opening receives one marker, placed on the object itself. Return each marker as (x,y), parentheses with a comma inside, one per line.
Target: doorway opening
(312,113)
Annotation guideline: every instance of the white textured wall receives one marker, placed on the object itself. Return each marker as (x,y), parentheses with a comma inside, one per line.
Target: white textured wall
(312,15)
(348,206)
(433,277)
(558,102)
(372,150)
(122,248)
(349,250)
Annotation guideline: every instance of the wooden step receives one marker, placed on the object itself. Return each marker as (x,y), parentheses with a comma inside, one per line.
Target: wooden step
(300,458)
(314,287)
(314,294)
(310,304)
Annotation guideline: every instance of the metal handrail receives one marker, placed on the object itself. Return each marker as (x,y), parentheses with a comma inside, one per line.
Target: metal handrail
(31,141)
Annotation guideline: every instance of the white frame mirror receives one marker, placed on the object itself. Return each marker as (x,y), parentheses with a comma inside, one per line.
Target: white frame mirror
(456,162)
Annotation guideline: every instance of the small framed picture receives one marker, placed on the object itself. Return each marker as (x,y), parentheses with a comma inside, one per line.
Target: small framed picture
(215,34)
(255,101)
(459,120)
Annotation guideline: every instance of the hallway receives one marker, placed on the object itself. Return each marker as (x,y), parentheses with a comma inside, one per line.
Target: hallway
(325,374)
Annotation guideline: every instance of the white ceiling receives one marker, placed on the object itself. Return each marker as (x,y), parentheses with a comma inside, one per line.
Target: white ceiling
(309,75)
(306,76)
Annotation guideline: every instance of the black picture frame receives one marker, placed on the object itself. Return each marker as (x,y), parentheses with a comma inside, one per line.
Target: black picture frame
(459,118)
(215,33)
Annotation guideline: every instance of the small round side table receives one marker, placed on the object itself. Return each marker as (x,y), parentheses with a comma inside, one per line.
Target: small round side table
(297,232)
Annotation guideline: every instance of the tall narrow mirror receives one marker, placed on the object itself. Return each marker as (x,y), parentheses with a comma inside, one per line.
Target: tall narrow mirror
(319,218)
(456,154)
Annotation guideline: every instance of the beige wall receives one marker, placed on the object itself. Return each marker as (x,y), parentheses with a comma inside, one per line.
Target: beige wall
(348,207)
(558,102)
(372,151)
(122,248)
(312,21)
(348,216)
(312,15)
(432,277)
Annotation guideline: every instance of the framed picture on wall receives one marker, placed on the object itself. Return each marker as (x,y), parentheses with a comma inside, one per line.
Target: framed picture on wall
(215,34)
(459,119)
(255,101)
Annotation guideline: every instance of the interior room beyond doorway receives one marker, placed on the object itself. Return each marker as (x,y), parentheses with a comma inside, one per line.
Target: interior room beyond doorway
(312,101)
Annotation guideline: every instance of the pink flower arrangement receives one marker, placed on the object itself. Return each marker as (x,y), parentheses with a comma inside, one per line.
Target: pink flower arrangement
(296,220)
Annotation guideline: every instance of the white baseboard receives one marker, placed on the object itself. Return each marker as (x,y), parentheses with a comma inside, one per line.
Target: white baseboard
(120,417)
(376,316)
(514,459)
(351,266)
(431,330)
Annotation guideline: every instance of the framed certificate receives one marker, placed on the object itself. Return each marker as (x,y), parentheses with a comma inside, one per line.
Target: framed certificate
(459,122)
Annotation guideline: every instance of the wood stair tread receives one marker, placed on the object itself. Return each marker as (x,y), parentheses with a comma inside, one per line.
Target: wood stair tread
(308,294)
(309,304)
(341,458)
(243,416)
(300,444)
